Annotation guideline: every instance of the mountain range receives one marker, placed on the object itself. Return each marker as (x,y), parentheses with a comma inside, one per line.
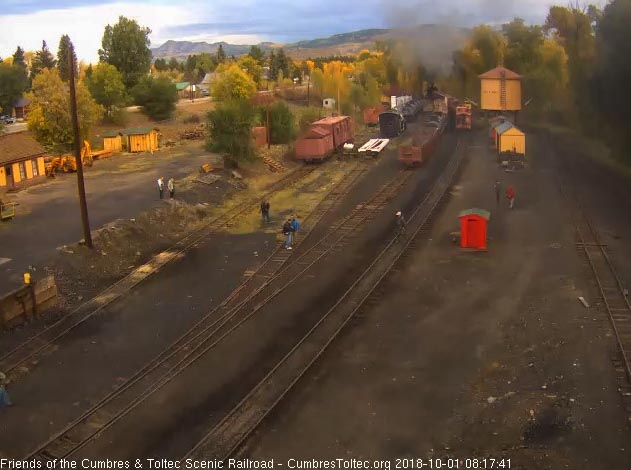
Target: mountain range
(434,43)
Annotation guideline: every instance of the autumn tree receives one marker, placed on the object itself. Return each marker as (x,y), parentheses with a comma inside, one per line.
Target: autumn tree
(106,85)
(157,96)
(43,59)
(126,46)
(252,68)
(609,87)
(233,83)
(49,117)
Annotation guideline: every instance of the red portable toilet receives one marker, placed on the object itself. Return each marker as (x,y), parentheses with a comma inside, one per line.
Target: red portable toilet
(473,225)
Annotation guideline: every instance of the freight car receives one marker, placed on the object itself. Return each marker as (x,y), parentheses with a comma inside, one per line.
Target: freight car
(422,145)
(391,124)
(324,137)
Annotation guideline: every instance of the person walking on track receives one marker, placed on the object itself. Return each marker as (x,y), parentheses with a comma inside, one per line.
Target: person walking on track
(161,186)
(295,226)
(171,188)
(400,224)
(265,211)
(497,186)
(288,231)
(510,195)
(5,400)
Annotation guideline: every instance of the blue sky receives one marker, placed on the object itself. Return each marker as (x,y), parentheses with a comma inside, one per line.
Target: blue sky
(28,22)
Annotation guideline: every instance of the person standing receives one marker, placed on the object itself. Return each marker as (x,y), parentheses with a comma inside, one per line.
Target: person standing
(5,400)
(400,224)
(161,186)
(265,211)
(498,187)
(171,188)
(510,195)
(295,226)
(287,231)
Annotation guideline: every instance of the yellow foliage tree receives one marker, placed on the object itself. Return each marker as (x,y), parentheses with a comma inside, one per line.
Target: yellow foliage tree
(233,83)
(49,117)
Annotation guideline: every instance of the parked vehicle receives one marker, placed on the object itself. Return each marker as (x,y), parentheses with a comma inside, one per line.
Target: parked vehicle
(8,119)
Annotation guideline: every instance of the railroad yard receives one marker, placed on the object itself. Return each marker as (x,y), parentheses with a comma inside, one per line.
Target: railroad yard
(226,344)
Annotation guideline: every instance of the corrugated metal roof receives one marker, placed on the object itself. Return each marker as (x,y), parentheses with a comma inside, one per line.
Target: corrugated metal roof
(22,102)
(475,211)
(503,127)
(138,130)
(181,85)
(19,146)
(497,73)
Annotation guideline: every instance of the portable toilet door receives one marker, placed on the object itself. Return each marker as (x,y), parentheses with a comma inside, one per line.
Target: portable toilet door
(473,228)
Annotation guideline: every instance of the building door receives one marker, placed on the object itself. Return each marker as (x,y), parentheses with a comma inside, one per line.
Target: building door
(474,233)
(9,175)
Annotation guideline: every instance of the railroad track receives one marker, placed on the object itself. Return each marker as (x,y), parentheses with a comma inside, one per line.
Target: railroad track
(245,302)
(223,439)
(40,343)
(614,298)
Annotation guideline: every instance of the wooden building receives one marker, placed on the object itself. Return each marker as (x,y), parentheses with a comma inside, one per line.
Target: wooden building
(500,90)
(21,161)
(140,139)
(21,108)
(510,138)
(113,141)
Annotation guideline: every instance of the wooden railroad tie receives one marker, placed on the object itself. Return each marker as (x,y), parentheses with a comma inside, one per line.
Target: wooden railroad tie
(274,165)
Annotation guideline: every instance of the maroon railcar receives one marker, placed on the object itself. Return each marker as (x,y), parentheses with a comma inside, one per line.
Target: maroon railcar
(420,147)
(324,137)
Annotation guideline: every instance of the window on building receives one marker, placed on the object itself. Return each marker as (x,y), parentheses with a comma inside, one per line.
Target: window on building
(22,170)
(35,169)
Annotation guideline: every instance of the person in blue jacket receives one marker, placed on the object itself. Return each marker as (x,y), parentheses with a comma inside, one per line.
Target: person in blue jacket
(295,225)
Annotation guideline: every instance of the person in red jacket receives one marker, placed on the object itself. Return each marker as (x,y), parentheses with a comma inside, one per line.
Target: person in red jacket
(510,195)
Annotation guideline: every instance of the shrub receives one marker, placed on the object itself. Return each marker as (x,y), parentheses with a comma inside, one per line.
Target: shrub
(230,127)
(282,127)
(157,96)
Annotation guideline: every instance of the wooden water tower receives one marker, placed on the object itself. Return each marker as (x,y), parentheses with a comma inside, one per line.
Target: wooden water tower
(500,90)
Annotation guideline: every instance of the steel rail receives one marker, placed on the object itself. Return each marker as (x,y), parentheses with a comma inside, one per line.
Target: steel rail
(95,420)
(42,340)
(243,419)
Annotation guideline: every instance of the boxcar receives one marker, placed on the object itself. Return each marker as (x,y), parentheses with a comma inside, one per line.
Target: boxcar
(420,147)
(315,145)
(340,127)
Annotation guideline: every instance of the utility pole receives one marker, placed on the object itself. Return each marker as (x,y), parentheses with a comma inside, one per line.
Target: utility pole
(87,236)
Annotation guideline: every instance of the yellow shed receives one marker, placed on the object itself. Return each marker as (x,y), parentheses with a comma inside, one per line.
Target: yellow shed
(112,141)
(510,139)
(21,161)
(140,139)
(500,90)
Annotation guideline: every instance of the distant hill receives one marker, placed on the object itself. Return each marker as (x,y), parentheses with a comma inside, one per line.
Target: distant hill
(362,35)
(433,44)
(182,49)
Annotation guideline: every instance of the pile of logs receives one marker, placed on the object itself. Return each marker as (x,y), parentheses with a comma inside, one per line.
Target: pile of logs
(274,165)
(192,134)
